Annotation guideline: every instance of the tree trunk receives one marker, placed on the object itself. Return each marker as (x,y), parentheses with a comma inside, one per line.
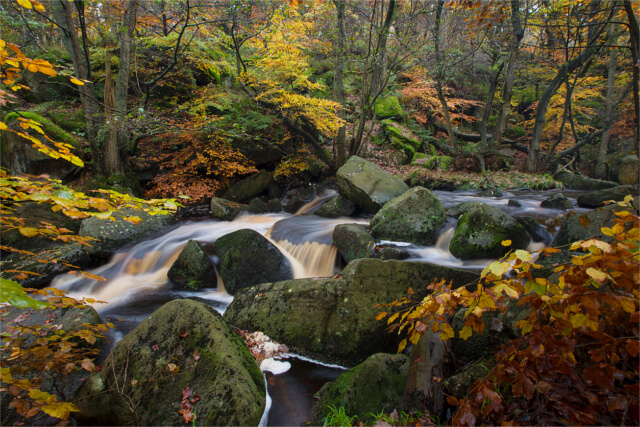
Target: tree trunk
(63,16)
(440,77)
(378,65)
(424,386)
(601,165)
(635,57)
(495,77)
(510,76)
(338,83)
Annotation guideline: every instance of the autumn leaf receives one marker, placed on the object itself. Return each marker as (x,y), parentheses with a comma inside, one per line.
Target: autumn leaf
(60,410)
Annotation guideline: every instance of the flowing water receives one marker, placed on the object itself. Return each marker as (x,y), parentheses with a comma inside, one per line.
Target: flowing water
(137,284)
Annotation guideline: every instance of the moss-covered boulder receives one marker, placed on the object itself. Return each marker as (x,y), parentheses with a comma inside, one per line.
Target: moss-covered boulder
(461,208)
(334,319)
(249,187)
(42,266)
(19,156)
(392,252)
(557,201)
(458,385)
(628,170)
(598,198)
(113,235)
(247,258)
(432,162)
(482,229)
(367,185)
(376,385)
(402,138)
(193,268)
(537,232)
(353,241)
(226,210)
(389,108)
(574,181)
(417,216)
(139,373)
(336,207)
(298,197)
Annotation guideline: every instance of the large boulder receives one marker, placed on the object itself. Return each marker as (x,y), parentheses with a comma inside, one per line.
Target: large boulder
(247,258)
(374,386)
(628,170)
(482,229)
(193,268)
(415,216)
(250,187)
(334,319)
(336,207)
(226,210)
(596,199)
(20,156)
(367,185)
(111,235)
(47,263)
(574,181)
(185,344)
(353,241)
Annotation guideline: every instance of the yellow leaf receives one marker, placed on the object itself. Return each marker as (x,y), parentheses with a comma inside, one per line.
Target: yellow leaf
(497,268)
(523,255)
(402,345)
(38,6)
(392,318)
(3,126)
(466,332)
(24,3)
(88,365)
(380,315)
(60,410)
(627,304)
(76,81)
(42,396)
(597,275)
(578,320)
(446,331)
(506,243)
(28,231)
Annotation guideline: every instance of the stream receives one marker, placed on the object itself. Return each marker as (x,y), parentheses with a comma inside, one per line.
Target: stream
(137,282)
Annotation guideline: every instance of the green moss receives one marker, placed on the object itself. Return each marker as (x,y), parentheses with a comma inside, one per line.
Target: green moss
(52,130)
(389,107)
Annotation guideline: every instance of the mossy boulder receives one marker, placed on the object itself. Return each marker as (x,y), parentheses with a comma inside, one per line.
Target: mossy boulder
(557,201)
(376,385)
(482,229)
(249,187)
(111,235)
(458,385)
(225,375)
(41,265)
(432,162)
(388,108)
(247,258)
(597,199)
(226,210)
(392,252)
(368,186)
(628,170)
(461,208)
(298,197)
(334,319)
(336,207)
(537,232)
(19,156)
(417,216)
(353,241)
(401,138)
(574,181)
(193,268)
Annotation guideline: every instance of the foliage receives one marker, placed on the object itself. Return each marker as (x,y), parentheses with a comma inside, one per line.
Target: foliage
(338,417)
(192,166)
(33,354)
(294,164)
(577,360)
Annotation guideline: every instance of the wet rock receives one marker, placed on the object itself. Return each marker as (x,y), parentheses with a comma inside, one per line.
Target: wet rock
(391,252)
(458,210)
(247,258)
(597,198)
(537,232)
(226,210)
(514,203)
(334,319)
(628,170)
(482,229)
(376,385)
(416,216)
(41,264)
(336,207)
(224,375)
(113,235)
(274,205)
(574,181)
(353,241)
(193,268)
(368,186)
(250,187)
(298,197)
(257,206)
(491,193)
(557,201)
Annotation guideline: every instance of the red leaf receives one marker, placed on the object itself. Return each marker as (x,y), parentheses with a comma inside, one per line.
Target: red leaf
(184,334)
(196,355)
(186,393)
(155,347)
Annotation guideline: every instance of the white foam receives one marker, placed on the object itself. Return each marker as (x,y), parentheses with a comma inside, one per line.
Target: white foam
(275,366)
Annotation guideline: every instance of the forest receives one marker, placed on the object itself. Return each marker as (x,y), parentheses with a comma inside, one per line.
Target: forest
(461,174)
